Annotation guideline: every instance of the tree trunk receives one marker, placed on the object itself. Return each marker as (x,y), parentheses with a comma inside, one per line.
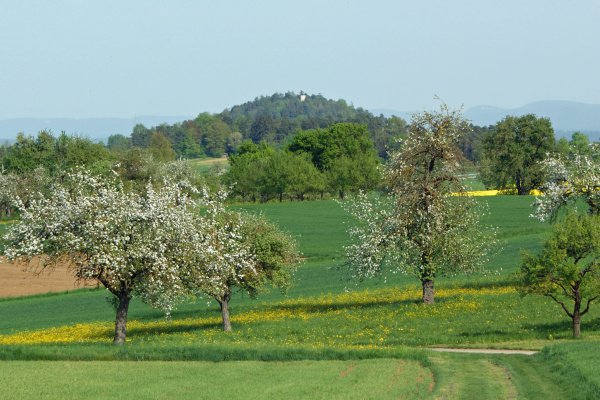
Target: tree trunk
(224,303)
(576,325)
(577,314)
(121,319)
(428,292)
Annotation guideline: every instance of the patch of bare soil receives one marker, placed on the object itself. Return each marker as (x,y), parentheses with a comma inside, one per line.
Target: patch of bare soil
(345,372)
(14,281)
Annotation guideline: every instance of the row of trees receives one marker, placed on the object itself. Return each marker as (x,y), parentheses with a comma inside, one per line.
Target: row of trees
(508,154)
(54,153)
(156,244)
(339,159)
(206,135)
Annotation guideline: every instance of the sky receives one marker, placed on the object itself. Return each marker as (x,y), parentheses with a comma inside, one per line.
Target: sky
(129,58)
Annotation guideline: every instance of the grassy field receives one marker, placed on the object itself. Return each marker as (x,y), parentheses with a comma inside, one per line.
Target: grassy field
(442,376)
(328,318)
(204,165)
(362,379)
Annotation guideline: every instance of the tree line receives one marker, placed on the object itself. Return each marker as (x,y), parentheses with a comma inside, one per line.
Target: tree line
(339,159)
(336,160)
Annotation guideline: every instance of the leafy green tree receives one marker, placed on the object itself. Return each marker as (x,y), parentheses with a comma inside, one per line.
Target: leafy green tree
(580,144)
(29,153)
(426,227)
(246,178)
(513,150)
(161,148)
(563,147)
(305,178)
(140,136)
(385,132)
(75,151)
(118,143)
(55,155)
(233,142)
(471,142)
(212,133)
(188,147)
(262,129)
(260,171)
(567,270)
(344,152)
(346,174)
(325,145)
(277,175)
(247,170)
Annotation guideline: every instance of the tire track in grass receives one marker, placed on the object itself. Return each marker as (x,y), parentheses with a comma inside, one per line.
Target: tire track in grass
(532,378)
(471,377)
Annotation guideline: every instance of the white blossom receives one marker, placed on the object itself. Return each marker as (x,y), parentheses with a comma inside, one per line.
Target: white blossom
(425,225)
(569,178)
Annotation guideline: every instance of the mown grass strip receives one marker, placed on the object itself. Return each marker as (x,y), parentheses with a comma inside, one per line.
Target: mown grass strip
(356,379)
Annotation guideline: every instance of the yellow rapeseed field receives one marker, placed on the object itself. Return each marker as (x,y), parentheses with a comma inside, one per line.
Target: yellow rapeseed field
(478,193)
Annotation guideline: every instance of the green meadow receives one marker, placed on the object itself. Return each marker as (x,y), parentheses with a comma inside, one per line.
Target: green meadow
(327,337)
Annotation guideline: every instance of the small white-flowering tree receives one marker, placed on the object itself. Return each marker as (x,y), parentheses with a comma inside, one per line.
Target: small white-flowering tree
(240,252)
(134,244)
(9,184)
(25,186)
(569,178)
(426,225)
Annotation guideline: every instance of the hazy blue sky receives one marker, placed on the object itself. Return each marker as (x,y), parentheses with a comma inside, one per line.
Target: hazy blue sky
(125,58)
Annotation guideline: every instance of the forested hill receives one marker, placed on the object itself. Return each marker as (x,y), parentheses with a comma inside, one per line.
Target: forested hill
(301,111)
(273,119)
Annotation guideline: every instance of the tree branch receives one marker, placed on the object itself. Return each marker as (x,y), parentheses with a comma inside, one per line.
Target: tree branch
(587,307)
(564,289)
(561,303)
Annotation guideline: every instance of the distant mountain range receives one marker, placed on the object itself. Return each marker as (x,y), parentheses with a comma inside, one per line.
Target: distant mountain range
(566,116)
(93,128)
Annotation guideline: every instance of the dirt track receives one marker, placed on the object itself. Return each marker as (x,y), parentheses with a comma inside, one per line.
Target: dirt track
(16,282)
